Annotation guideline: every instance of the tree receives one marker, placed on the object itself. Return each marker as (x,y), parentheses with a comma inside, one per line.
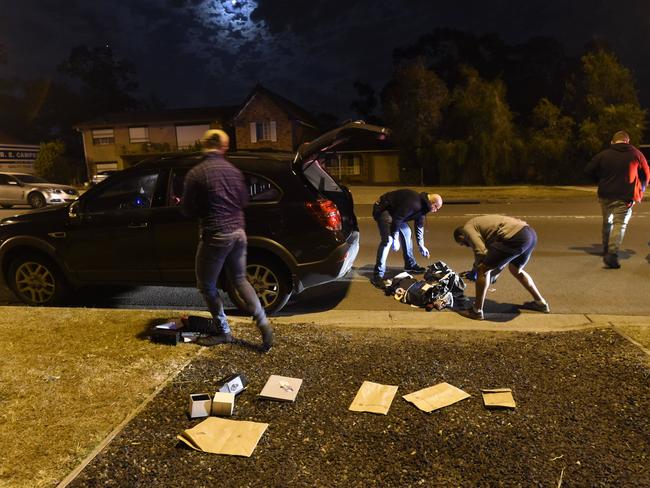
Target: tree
(367,102)
(603,99)
(412,103)
(550,144)
(480,144)
(51,162)
(532,70)
(108,83)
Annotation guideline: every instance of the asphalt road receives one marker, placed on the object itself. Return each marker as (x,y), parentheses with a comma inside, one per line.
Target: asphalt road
(565,266)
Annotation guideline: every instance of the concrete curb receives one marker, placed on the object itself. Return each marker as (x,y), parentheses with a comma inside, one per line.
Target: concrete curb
(450,320)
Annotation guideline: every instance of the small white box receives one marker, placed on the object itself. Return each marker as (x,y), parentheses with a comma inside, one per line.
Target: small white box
(223,404)
(200,405)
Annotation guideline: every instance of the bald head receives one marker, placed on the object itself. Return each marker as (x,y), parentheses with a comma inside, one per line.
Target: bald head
(435,200)
(215,140)
(621,137)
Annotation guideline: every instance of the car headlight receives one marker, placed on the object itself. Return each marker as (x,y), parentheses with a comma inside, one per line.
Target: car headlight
(55,190)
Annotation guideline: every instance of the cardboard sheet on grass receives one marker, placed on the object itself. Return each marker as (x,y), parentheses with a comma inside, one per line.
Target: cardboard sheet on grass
(282,388)
(222,436)
(373,398)
(436,397)
(498,398)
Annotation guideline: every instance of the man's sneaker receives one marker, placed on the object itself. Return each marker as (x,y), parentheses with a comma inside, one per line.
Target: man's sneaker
(379,282)
(267,337)
(214,340)
(611,261)
(537,306)
(470,313)
(416,268)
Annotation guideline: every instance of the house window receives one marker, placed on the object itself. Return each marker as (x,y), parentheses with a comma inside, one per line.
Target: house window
(263,131)
(188,136)
(345,165)
(138,134)
(103,137)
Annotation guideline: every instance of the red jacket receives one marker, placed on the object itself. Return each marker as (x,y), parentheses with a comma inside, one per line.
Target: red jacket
(622,173)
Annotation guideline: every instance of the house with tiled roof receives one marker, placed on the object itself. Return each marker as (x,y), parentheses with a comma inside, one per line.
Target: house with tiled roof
(118,140)
(265,121)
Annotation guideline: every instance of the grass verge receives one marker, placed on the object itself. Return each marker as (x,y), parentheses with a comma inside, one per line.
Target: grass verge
(67,379)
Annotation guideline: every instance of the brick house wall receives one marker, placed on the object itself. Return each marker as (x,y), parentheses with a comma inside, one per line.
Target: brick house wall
(289,133)
(262,109)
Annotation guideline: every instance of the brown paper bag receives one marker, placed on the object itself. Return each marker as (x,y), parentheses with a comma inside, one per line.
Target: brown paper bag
(281,388)
(498,398)
(222,436)
(374,398)
(435,397)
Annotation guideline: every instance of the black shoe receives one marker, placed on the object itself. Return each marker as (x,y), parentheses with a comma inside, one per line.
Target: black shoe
(214,340)
(611,261)
(473,314)
(416,268)
(267,337)
(537,306)
(379,282)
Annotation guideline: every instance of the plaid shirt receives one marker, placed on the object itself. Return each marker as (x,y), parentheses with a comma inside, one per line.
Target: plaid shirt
(215,191)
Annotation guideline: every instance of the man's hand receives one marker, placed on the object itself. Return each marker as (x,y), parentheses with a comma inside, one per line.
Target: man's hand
(424,251)
(395,243)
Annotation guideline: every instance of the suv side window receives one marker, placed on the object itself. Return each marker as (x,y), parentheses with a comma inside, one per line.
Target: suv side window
(176,183)
(260,189)
(4,180)
(134,192)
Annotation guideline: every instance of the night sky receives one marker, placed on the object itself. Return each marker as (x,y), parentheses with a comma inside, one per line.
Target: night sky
(197,53)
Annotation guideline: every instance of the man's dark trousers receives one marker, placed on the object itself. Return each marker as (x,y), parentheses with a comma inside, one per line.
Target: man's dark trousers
(214,253)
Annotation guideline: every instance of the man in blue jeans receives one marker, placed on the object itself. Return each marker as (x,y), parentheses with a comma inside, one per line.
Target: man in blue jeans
(392,212)
(623,174)
(215,191)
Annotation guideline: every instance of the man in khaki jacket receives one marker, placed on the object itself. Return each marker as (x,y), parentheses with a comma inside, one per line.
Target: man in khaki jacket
(497,241)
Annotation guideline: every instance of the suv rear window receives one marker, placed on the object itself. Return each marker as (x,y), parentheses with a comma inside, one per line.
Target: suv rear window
(319,178)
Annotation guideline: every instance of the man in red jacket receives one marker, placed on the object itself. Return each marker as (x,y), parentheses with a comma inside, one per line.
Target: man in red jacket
(623,174)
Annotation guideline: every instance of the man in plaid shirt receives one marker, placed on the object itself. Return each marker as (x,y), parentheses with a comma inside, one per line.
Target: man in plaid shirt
(215,191)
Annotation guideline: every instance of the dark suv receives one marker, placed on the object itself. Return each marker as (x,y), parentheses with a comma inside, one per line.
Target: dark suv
(129,229)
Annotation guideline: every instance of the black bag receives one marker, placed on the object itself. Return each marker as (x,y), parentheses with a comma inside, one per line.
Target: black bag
(439,289)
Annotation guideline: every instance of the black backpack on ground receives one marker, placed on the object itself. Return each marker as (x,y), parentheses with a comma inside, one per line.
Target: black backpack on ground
(439,289)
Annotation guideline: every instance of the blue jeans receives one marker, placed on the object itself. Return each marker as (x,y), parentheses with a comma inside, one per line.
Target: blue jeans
(384,221)
(216,251)
(616,215)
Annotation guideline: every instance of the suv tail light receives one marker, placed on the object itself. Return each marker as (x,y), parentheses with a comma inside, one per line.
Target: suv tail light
(326,213)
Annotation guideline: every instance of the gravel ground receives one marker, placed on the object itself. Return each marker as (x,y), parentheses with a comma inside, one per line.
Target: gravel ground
(583,414)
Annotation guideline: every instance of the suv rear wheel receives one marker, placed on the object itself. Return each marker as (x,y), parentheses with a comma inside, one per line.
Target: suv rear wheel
(36,280)
(271,282)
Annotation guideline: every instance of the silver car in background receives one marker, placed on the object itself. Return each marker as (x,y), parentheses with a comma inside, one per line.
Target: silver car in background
(26,189)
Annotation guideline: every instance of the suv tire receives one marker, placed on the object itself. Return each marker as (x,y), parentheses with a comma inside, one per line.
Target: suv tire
(36,200)
(271,282)
(36,280)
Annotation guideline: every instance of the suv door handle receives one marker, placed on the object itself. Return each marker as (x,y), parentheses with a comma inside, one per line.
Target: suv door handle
(139,225)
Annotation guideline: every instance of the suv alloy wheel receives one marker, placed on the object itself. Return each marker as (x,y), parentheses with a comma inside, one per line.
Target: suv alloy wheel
(36,280)
(270,281)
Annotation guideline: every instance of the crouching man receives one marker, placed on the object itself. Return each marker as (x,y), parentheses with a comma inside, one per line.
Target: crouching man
(499,241)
